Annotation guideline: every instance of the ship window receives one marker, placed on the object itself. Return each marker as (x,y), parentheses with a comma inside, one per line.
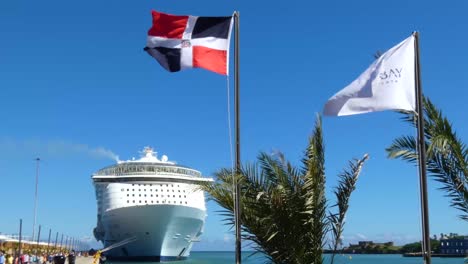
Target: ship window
(144,190)
(151,195)
(162,195)
(128,195)
(185,202)
(122,190)
(133,190)
(160,184)
(139,201)
(133,184)
(180,196)
(173,195)
(146,201)
(145,195)
(139,195)
(128,201)
(172,190)
(167,185)
(156,195)
(144,184)
(180,202)
(128,190)
(185,196)
(133,201)
(184,190)
(156,189)
(172,185)
(139,190)
(138,184)
(157,201)
(179,190)
(177,185)
(151,184)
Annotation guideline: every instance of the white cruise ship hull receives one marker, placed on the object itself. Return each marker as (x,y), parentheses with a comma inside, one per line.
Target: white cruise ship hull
(163,232)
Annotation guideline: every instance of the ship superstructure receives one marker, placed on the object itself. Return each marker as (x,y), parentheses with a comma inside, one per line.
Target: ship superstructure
(153,200)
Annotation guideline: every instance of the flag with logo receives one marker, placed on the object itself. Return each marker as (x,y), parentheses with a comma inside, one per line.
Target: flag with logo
(388,84)
(185,42)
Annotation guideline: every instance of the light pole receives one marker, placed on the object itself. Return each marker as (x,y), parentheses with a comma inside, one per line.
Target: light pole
(35,196)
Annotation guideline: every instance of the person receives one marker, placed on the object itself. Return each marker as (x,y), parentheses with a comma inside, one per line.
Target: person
(71,257)
(2,257)
(9,259)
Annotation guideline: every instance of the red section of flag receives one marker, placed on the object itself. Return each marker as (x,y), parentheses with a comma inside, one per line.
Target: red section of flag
(210,59)
(168,26)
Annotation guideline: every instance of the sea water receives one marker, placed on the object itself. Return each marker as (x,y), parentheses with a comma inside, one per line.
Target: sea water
(214,257)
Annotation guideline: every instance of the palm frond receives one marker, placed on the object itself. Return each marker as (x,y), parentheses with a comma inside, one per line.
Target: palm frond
(346,186)
(447,155)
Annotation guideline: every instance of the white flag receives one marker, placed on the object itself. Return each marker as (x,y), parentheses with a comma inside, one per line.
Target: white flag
(388,84)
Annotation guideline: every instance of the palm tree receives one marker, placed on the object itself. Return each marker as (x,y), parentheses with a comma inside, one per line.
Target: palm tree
(447,155)
(284,208)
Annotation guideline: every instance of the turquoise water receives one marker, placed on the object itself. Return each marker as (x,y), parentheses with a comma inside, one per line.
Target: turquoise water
(228,257)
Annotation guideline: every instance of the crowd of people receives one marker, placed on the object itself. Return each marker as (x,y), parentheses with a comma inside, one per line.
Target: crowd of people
(56,258)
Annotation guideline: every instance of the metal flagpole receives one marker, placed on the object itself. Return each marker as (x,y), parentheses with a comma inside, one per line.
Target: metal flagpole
(237,208)
(56,238)
(35,196)
(19,239)
(426,245)
(38,237)
(61,241)
(48,241)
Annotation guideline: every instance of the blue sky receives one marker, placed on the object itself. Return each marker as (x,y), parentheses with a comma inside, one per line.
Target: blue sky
(75,81)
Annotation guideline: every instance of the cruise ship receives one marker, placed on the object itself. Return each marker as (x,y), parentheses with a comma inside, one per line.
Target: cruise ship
(154,202)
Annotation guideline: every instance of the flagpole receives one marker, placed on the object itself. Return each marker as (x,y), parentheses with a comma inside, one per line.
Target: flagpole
(237,208)
(426,245)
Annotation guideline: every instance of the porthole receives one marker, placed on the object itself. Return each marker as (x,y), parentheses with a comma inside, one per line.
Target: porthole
(146,201)
(133,201)
(122,190)
(180,202)
(133,195)
(145,195)
(173,196)
(139,201)
(128,195)
(180,196)
(128,190)
(185,202)
(144,190)
(151,195)
(128,201)
(139,195)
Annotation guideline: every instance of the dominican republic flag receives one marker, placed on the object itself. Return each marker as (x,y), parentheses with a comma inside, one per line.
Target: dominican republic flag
(184,42)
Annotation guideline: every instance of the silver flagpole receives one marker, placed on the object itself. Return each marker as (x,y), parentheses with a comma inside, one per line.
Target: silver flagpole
(426,245)
(35,197)
(237,208)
